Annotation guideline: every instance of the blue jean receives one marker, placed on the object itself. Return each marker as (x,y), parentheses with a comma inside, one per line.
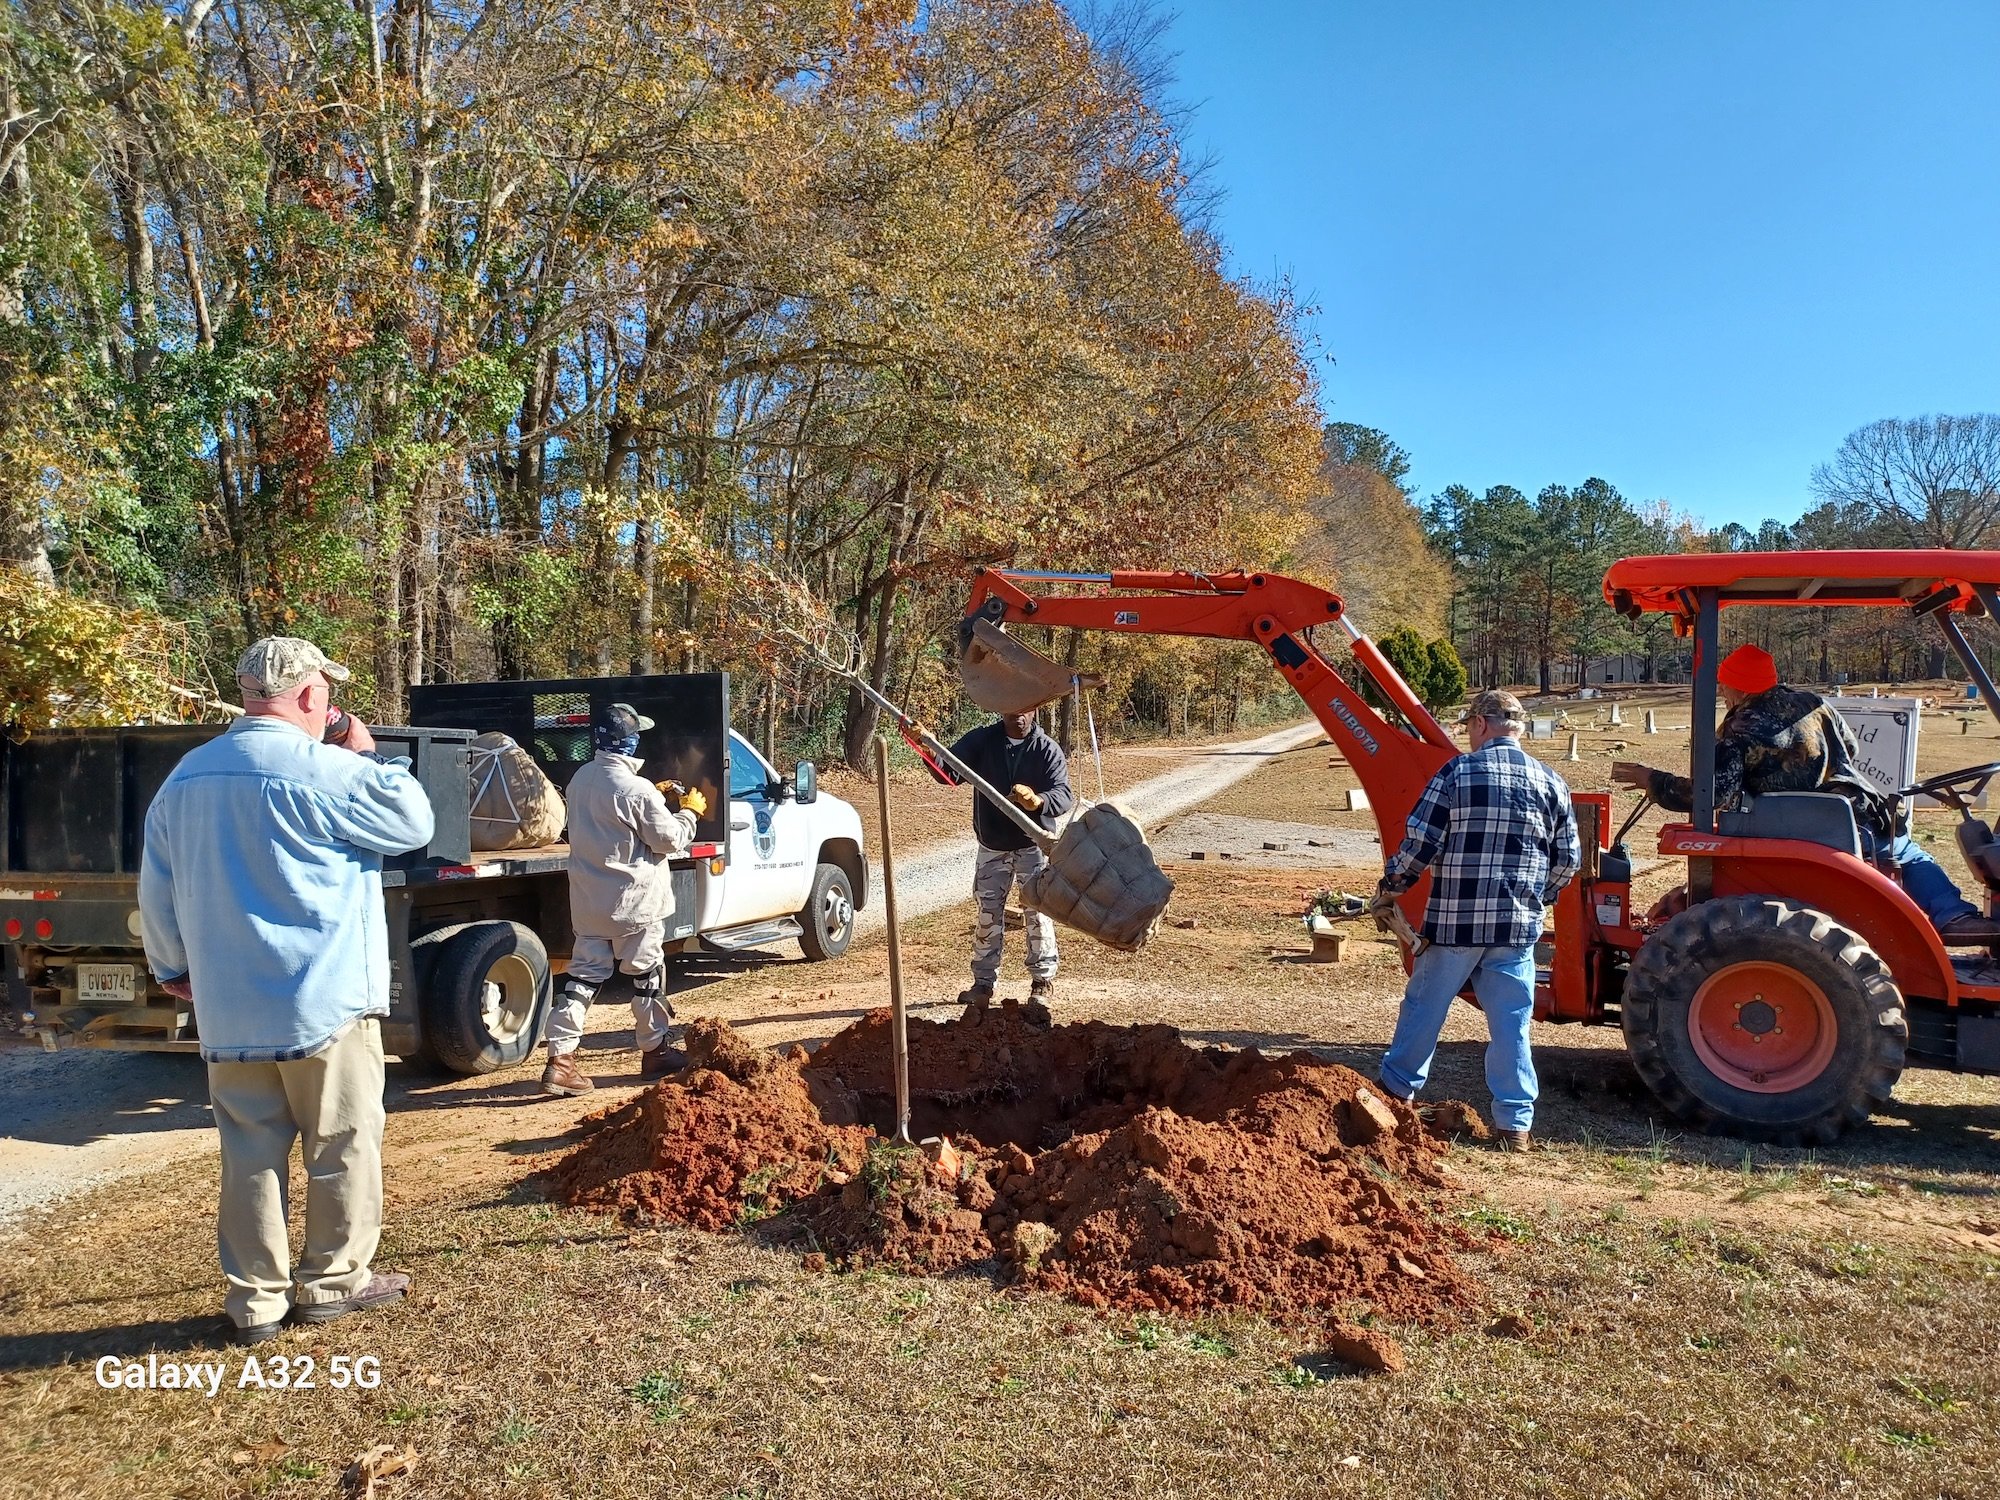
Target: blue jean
(1924,879)
(1504,981)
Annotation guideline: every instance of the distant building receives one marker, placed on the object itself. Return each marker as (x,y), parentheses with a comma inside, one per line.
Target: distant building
(1668,667)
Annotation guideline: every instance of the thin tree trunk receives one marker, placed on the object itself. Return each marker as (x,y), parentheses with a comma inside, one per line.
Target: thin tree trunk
(141,282)
(23,539)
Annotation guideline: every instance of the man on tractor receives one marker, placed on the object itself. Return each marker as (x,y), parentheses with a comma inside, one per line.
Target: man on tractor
(1778,738)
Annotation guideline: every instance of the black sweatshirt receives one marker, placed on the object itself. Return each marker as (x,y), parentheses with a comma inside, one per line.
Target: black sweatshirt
(1036,762)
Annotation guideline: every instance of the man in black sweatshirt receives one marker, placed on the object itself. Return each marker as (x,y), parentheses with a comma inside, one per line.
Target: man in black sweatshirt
(1017,757)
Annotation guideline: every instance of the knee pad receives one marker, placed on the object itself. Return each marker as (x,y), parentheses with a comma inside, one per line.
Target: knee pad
(651,984)
(579,992)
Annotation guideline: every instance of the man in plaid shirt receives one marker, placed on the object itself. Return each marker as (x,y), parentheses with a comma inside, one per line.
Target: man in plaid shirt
(1496,829)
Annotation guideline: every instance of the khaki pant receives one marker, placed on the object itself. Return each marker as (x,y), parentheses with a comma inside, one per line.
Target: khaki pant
(637,950)
(993,880)
(332,1104)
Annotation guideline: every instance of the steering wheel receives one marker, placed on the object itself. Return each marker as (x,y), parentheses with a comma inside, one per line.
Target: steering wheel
(1955,788)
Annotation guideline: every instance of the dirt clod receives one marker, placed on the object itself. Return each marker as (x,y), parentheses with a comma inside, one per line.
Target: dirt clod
(1365,1348)
(1511,1326)
(1454,1117)
(1120,1166)
(1370,1116)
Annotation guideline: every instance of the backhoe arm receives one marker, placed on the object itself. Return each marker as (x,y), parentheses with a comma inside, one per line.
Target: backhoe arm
(1393,763)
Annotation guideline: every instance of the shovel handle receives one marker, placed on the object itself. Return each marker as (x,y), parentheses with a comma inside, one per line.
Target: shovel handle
(929,746)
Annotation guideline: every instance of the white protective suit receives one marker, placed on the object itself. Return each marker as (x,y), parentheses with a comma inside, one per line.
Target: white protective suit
(621,835)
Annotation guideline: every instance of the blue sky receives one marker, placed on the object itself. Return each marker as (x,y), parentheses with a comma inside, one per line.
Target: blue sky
(1684,247)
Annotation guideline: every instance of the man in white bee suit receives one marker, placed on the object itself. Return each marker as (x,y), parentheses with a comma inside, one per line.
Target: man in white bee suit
(621,835)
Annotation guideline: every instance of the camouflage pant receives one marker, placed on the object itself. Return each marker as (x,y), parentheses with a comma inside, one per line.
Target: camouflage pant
(993,880)
(635,953)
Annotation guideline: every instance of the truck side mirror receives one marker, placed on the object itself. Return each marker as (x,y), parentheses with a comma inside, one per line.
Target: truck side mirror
(805,782)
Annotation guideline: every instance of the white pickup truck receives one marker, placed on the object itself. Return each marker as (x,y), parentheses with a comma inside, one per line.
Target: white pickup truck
(795,866)
(474,938)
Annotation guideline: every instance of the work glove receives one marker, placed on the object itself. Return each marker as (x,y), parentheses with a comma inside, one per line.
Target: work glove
(1383,899)
(1027,796)
(687,799)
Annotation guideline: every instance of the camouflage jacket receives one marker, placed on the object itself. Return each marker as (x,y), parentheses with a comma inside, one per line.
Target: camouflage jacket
(1783,740)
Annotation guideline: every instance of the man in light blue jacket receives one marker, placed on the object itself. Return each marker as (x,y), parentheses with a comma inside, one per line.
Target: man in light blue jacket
(261,899)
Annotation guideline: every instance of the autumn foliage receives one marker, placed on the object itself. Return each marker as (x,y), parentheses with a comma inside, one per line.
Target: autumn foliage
(436,333)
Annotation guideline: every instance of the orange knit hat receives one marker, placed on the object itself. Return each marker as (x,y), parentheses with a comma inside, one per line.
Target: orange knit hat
(1748,669)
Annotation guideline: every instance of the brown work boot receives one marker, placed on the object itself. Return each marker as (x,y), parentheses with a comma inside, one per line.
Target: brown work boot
(1042,991)
(383,1288)
(978,995)
(563,1076)
(658,1062)
(1514,1142)
(1969,931)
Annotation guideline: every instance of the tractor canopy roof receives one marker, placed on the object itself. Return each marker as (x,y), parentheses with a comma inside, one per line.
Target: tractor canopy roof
(1934,579)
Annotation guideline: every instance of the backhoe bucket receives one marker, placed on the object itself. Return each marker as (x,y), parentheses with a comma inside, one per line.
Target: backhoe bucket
(1005,677)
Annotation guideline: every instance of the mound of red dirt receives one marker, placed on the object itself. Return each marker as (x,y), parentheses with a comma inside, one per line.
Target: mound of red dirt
(1120,1166)
(737,1136)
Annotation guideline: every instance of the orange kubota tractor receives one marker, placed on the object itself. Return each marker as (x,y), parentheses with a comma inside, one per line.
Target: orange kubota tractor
(1779,992)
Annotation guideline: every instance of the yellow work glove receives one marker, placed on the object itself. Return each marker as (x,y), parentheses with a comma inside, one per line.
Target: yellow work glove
(693,801)
(1027,797)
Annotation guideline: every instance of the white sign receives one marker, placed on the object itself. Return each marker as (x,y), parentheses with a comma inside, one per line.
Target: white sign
(1887,730)
(104,984)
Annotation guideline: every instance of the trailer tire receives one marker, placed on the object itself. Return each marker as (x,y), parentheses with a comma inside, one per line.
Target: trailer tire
(1752,1016)
(487,999)
(826,925)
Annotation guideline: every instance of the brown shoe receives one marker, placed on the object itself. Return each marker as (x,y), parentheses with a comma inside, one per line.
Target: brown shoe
(658,1062)
(1969,930)
(563,1076)
(976,995)
(1516,1142)
(1042,990)
(383,1288)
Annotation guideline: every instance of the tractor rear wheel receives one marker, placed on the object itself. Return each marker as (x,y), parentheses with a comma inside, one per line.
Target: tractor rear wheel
(1752,1016)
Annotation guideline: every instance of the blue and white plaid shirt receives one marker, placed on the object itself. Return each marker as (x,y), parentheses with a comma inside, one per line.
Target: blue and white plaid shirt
(1498,831)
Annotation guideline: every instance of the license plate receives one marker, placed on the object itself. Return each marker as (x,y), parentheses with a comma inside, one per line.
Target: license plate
(105,984)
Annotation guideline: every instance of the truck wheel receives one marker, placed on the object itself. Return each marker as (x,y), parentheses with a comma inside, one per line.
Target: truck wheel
(1751,1016)
(826,926)
(488,997)
(424,951)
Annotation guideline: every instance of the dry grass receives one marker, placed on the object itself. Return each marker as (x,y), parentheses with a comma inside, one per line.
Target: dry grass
(550,1353)
(1707,1321)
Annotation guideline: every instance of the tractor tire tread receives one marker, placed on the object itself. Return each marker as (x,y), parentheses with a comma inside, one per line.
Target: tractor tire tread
(1685,947)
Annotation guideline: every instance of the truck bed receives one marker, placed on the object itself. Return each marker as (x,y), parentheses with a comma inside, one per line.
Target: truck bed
(486,864)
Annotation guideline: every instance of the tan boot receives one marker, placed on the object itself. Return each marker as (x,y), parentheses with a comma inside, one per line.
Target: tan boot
(1514,1142)
(563,1076)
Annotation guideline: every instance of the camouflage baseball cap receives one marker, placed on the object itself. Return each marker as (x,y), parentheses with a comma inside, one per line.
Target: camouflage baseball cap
(275,665)
(619,720)
(1496,705)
